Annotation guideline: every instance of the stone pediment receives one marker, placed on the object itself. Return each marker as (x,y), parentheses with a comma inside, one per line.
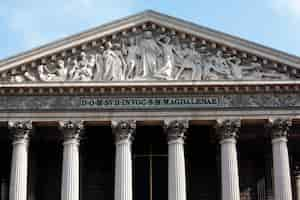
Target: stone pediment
(150,47)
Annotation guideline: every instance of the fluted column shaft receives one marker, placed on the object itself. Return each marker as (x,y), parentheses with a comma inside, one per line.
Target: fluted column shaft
(18,185)
(4,189)
(297,182)
(123,176)
(20,131)
(175,131)
(282,178)
(229,163)
(123,132)
(70,173)
(71,131)
(227,131)
(176,170)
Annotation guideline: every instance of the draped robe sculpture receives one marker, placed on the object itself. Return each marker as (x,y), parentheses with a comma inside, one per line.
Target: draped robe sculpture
(150,51)
(115,66)
(149,55)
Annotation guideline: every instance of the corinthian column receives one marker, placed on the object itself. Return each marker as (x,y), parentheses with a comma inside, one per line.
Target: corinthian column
(123,132)
(71,131)
(20,131)
(175,131)
(227,131)
(4,191)
(282,181)
(297,181)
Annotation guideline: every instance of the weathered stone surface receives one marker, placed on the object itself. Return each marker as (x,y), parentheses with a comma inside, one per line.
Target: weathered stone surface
(148,102)
(150,46)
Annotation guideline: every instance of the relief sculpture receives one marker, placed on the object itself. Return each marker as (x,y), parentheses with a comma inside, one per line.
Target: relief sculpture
(149,55)
(53,72)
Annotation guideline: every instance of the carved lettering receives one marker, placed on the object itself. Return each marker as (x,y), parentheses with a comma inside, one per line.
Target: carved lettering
(121,102)
(104,102)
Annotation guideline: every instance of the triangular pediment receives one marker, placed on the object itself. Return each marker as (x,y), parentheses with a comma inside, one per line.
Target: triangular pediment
(150,47)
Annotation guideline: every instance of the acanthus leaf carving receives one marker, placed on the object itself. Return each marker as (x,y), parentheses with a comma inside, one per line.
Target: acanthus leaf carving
(20,130)
(227,128)
(123,129)
(71,129)
(279,127)
(176,129)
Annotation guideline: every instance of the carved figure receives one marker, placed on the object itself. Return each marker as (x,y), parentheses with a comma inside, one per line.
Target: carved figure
(146,56)
(88,69)
(133,53)
(236,70)
(192,60)
(99,71)
(17,79)
(58,74)
(82,70)
(20,78)
(221,65)
(61,71)
(150,51)
(74,71)
(30,76)
(271,74)
(115,65)
(216,67)
(251,71)
(169,52)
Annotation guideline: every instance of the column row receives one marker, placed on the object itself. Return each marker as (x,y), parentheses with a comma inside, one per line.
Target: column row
(227,131)
(278,129)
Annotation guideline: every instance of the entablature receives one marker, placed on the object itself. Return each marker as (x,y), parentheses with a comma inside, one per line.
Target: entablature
(150,66)
(147,87)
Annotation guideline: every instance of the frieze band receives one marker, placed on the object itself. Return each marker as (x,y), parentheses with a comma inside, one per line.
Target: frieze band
(148,101)
(144,102)
(149,55)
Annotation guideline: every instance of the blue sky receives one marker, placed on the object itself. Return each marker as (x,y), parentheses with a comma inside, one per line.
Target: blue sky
(25,24)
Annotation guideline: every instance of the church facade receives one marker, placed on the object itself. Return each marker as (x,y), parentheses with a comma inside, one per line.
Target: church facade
(150,107)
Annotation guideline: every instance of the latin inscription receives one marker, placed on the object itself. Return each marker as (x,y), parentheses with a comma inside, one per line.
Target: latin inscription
(148,102)
(118,103)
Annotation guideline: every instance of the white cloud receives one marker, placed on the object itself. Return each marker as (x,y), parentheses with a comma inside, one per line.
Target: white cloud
(289,8)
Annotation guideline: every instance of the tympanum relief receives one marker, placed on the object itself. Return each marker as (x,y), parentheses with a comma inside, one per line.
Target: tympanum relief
(150,55)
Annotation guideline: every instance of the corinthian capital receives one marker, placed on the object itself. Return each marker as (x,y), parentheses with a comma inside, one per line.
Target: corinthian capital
(175,129)
(279,127)
(20,130)
(227,128)
(71,129)
(123,130)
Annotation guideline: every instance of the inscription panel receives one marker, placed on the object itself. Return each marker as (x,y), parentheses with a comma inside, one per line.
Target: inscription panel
(150,102)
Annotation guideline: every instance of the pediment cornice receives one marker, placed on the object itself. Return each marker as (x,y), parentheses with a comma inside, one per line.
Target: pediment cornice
(220,46)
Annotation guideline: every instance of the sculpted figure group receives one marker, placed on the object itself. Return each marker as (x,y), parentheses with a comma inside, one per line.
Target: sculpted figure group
(149,56)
